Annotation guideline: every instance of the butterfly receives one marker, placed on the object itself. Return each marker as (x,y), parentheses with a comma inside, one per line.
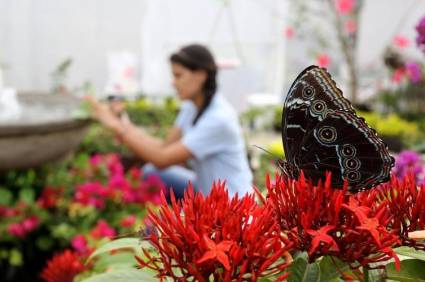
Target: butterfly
(322,132)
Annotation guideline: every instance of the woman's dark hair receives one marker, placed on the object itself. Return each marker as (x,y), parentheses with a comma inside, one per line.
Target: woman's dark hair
(198,57)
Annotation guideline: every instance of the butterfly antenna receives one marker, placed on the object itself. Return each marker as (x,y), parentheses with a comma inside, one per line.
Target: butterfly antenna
(274,156)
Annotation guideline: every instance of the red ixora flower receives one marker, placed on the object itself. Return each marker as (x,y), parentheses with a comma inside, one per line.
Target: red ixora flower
(405,201)
(63,267)
(326,221)
(217,237)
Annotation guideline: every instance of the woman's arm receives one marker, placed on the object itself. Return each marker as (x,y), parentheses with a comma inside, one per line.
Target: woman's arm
(174,134)
(160,153)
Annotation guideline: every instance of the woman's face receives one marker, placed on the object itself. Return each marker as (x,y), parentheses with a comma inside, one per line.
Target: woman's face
(187,83)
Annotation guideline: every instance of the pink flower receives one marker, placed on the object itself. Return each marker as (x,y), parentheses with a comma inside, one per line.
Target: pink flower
(323,60)
(16,229)
(350,26)
(414,71)
(128,221)
(118,181)
(135,173)
(401,41)
(129,72)
(288,32)
(30,223)
(398,75)
(344,6)
(114,164)
(102,230)
(95,160)
(152,188)
(79,243)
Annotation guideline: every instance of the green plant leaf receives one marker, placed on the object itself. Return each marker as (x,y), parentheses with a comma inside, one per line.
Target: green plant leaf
(44,243)
(5,197)
(133,244)
(127,275)
(120,260)
(330,268)
(410,252)
(27,195)
(411,270)
(15,257)
(302,271)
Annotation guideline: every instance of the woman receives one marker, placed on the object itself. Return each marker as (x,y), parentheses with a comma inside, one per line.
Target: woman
(206,134)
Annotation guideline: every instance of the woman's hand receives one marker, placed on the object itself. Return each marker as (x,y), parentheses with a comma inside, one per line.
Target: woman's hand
(102,113)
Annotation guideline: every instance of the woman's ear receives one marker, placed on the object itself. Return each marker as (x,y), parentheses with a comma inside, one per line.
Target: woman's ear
(200,76)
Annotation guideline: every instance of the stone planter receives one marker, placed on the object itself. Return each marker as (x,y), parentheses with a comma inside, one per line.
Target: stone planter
(32,143)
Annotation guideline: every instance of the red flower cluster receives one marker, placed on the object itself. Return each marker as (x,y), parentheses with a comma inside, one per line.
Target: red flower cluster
(405,201)
(216,237)
(326,221)
(63,267)
(49,197)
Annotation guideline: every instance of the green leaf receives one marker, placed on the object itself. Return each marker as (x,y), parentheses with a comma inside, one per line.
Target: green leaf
(330,268)
(410,252)
(27,195)
(125,243)
(301,271)
(15,257)
(116,261)
(44,243)
(5,197)
(411,270)
(127,275)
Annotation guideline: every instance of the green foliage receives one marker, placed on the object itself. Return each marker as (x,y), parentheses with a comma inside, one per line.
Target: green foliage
(123,275)
(411,270)
(158,117)
(393,125)
(132,244)
(302,271)
(118,257)
(277,120)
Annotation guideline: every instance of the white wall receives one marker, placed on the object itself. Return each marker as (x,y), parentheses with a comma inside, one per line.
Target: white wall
(36,35)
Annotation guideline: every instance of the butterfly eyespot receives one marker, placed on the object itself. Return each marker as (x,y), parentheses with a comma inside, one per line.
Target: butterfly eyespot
(327,134)
(318,107)
(308,92)
(353,176)
(348,150)
(352,163)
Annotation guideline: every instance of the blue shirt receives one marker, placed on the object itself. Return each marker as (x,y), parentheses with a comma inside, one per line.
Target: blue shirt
(217,144)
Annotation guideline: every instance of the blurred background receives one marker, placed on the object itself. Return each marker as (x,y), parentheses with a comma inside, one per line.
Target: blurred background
(52,158)
(261,45)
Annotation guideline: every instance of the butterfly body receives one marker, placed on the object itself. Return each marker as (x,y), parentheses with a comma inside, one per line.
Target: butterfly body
(321,132)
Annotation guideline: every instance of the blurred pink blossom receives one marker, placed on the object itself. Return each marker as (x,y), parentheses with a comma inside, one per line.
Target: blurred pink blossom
(95,160)
(288,32)
(414,71)
(344,6)
(102,229)
(128,221)
(350,26)
(79,243)
(30,223)
(16,229)
(398,75)
(323,60)
(401,41)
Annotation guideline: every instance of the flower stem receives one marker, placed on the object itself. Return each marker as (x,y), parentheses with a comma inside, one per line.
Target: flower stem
(366,274)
